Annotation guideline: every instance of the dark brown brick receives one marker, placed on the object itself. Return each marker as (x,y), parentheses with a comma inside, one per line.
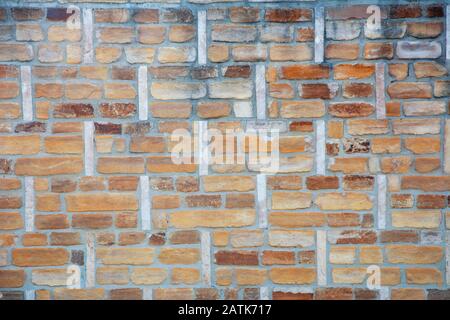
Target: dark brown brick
(238,258)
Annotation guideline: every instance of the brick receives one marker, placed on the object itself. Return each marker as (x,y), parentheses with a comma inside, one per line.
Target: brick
(100,202)
(396,165)
(111,15)
(12,278)
(407,294)
(127,256)
(423,145)
(429,69)
(79,294)
(92,221)
(11,221)
(120,165)
(291,238)
(290,53)
(288,15)
(353,71)
(115,34)
(305,72)
(29,32)
(147,276)
(348,201)
(302,109)
(357,90)
(375,50)
(416,126)
(16,52)
(287,275)
(290,200)
(399,71)
(363,127)
(8,90)
(350,165)
(24,145)
(107,54)
(236,257)
(296,220)
(162,164)
(185,276)
(228,183)
(342,51)
(350,110)
(416,219)
(233,33)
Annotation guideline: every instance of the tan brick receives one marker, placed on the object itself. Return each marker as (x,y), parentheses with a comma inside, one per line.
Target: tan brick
(410,254)
(101,202)
(179,255)
(185,276)
(120,165)
(291,200)
(212,218)
(228,183)
(19,144)
(147,276)
(347,201)
(416,219)
(11,221)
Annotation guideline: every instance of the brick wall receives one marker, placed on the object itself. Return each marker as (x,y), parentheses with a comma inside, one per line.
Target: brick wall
(88,189)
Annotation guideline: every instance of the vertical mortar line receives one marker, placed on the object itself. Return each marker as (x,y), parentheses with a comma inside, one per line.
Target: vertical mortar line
(90,260)
(143,92)
(321,245)
(261,195)
(89,148)
(319,30)
(320,147)
(448,32)
(88,30)
(201,34)
(264,293)
(447,146)
(203,154)
(27,101)
(29,295)
(380,90)
(29,204)
(148,293)
(260,87)
(206,257)
(146,220)
(381,194)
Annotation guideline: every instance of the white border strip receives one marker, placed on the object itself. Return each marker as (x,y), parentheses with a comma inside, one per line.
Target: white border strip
(380,88)
(27,100)
(206,257)
(321,246)
(143,92)
(447,146)
(90,260)
(88,56)
(319,30)
(381,183)
(260,87)
(448,32)
(320,147)
(261,194)
(203,152)
(146,220)
(264,293)
(89,148)
(29,204)
(201,34)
